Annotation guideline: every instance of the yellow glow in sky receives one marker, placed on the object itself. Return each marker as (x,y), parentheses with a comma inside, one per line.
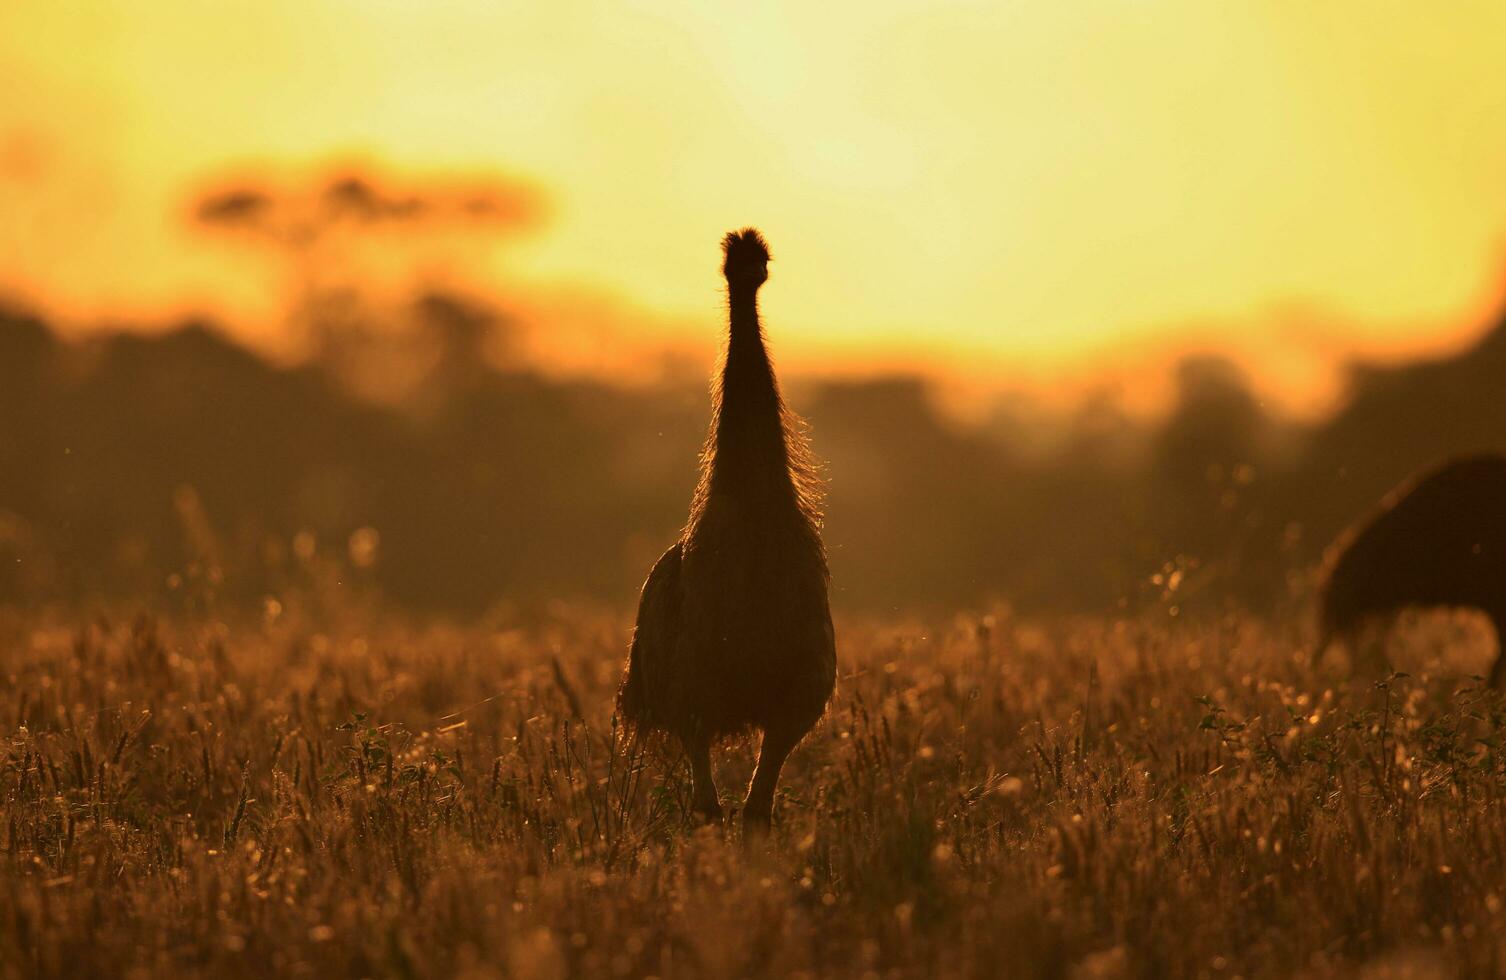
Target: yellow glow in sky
(1015,183)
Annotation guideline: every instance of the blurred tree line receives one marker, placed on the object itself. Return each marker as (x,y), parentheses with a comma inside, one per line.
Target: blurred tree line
(182,466)
(138,465)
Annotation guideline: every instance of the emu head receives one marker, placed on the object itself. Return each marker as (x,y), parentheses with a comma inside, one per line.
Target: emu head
(747,259)
(1356,586)
(1382,568)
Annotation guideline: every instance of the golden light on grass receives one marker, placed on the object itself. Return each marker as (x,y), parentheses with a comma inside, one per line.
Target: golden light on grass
(1104,798)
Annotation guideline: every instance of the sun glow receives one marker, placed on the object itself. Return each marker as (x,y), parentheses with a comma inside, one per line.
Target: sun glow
(1014,189)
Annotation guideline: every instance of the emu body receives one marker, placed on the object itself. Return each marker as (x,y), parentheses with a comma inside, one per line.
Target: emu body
(734,632)
(1439,539)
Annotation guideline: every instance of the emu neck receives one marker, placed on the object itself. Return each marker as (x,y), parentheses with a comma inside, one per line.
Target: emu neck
(750,459)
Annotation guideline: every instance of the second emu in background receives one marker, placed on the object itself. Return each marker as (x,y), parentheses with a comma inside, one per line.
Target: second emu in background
(734,632)
(1439,539)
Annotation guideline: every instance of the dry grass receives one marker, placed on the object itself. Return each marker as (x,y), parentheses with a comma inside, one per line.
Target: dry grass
(1063,798)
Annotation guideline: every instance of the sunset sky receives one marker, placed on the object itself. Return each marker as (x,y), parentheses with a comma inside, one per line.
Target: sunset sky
(1029,189)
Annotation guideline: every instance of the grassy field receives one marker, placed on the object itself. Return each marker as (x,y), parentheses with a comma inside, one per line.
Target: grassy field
(340,795)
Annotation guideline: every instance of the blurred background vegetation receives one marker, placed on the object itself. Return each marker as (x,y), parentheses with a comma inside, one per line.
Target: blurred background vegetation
(415,453)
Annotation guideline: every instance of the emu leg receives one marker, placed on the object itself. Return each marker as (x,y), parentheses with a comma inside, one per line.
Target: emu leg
(703,792)
(758,811)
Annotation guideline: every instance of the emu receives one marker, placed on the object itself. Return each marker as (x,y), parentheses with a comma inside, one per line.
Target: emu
(734,630)
(1438,539)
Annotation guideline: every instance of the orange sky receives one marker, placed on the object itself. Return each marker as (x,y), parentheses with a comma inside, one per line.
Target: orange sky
(1013,188)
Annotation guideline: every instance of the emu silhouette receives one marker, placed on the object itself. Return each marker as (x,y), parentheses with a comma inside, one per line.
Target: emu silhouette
(734,631)
(1438,539)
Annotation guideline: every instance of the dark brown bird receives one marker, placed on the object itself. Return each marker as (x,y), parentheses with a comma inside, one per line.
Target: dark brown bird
(734,631)
(1439,539)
